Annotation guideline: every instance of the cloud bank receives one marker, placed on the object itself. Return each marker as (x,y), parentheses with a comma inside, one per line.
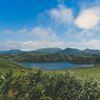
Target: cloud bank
(64,29)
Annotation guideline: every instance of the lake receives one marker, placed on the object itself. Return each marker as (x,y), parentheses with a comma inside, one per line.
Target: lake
(54,65)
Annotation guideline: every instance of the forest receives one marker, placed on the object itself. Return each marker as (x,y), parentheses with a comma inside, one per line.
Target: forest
(46,57)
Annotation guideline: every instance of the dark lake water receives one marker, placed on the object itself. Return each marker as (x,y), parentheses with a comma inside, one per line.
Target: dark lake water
(54,65)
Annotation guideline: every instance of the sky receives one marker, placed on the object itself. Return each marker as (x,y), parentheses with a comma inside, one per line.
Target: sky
(34,24)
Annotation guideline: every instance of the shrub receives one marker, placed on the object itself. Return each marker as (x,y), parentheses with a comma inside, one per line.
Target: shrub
(41,85)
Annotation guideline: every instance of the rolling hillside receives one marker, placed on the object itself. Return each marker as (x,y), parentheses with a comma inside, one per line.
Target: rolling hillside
(6,65)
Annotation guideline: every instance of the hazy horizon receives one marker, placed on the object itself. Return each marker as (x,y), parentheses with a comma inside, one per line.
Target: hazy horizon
(51,48)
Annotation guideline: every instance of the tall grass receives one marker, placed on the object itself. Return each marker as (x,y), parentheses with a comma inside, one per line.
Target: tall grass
(38,85)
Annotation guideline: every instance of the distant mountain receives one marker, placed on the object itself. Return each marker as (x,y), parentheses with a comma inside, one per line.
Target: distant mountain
(68,51)
(43,50)
(13,51)
(91,51)
(48,50)
(72,51)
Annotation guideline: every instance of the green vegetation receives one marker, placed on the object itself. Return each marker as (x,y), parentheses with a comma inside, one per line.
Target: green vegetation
(38,57)
(21,83)
(6,65)
(39,85)
(87,73)
(46,57)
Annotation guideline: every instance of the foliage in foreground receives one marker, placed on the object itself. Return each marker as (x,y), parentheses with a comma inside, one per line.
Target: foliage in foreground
(47,86)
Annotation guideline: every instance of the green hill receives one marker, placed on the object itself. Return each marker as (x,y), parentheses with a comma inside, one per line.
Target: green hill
(6,65)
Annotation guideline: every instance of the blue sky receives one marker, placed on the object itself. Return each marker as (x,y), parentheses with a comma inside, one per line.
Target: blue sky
(33,24)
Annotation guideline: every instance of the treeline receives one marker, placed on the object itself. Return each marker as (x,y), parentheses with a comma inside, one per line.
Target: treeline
(53,58)
(40,85)
(42,57)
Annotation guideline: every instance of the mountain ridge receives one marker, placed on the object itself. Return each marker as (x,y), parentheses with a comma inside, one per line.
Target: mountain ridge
(70,51)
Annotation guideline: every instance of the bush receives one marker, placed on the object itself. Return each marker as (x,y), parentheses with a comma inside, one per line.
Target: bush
(41,85)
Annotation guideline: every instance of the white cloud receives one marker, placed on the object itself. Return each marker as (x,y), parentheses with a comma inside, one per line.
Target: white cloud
(30,45)
(38,31)
(83,44)
(62,14)
(88,18)
(42,32)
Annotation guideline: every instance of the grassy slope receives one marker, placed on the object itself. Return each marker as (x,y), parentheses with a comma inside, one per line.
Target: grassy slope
(6,65)
(87,73)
